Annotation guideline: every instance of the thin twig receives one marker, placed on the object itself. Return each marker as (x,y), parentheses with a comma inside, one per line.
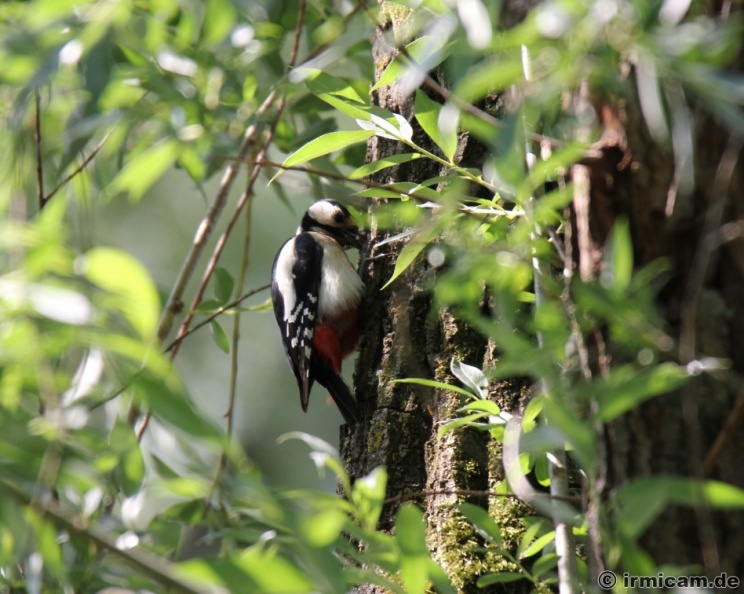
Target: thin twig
(79,168)
(218,312)
(37,141)
(174,303)
(470,493)
(205,228)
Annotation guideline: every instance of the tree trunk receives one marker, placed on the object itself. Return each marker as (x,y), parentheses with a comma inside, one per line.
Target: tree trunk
(405,336)
(703,306)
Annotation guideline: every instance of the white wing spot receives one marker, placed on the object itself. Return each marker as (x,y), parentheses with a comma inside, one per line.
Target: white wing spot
(308,352)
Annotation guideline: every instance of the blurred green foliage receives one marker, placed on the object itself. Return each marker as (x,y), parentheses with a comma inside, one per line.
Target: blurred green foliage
(102,98)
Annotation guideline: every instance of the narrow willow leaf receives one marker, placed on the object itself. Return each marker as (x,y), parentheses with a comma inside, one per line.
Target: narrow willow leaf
(499,578)
(327,143)
(375,166)
(409,253)
(339,94)
(538,545)
(145,168)
(426,52)
(618,269)
(482,521)
(495,75)
(460,422)
(626,387)
(428,113)
(434,384)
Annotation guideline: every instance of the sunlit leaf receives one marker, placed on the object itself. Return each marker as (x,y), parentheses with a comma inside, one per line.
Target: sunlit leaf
(499,578)
(411,250)
(618,265)
(129,284)
(427,114)
(368,495)
(471,376)
(434,384)
(410,532)
(325,144)
(384,163)
(538,545)
(145,168)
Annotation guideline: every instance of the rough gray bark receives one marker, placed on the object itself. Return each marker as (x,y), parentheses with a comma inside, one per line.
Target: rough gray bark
(403,336)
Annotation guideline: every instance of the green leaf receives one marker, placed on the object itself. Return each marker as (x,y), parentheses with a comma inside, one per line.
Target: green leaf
(482,522)
(544,564)
(618,269)
(486,406)
(130,469)
(642,500)
(627,387)
(379,165)
(494,75)
(528,536)
(174,408)
(368,495)
(499,578)
(320,529)
(223,285)
(410,533)
(327,143)
(145,168)
(459,422)
(322,453)
(426,53)
(471,376)
(433,384)
(427,114)
(412,249)
(538,545)
(219,19)
(130,286)
(219,337)
(338,94)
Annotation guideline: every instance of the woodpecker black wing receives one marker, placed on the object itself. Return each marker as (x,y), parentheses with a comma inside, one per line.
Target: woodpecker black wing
(301,259)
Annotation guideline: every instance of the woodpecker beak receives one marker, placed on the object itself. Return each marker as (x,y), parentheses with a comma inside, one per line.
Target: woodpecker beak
(353,237)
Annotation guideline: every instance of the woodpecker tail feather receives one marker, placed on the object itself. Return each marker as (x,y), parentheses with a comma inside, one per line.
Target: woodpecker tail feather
(341,395)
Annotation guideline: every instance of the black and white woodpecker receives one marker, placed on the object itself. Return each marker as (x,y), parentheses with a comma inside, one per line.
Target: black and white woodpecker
(316,294)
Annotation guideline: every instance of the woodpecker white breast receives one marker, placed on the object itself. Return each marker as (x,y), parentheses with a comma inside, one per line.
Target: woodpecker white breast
(316,294)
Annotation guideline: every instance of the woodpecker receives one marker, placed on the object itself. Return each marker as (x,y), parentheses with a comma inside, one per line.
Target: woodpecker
(316,294)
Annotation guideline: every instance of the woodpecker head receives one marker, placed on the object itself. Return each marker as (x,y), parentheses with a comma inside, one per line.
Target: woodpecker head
(332,219)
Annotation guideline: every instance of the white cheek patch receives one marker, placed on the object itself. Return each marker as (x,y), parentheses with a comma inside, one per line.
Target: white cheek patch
(323,211)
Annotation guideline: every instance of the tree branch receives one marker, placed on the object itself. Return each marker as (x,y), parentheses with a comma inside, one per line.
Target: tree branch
(156,568)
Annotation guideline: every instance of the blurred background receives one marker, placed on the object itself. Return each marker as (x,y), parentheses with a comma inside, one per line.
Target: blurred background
(158,232)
